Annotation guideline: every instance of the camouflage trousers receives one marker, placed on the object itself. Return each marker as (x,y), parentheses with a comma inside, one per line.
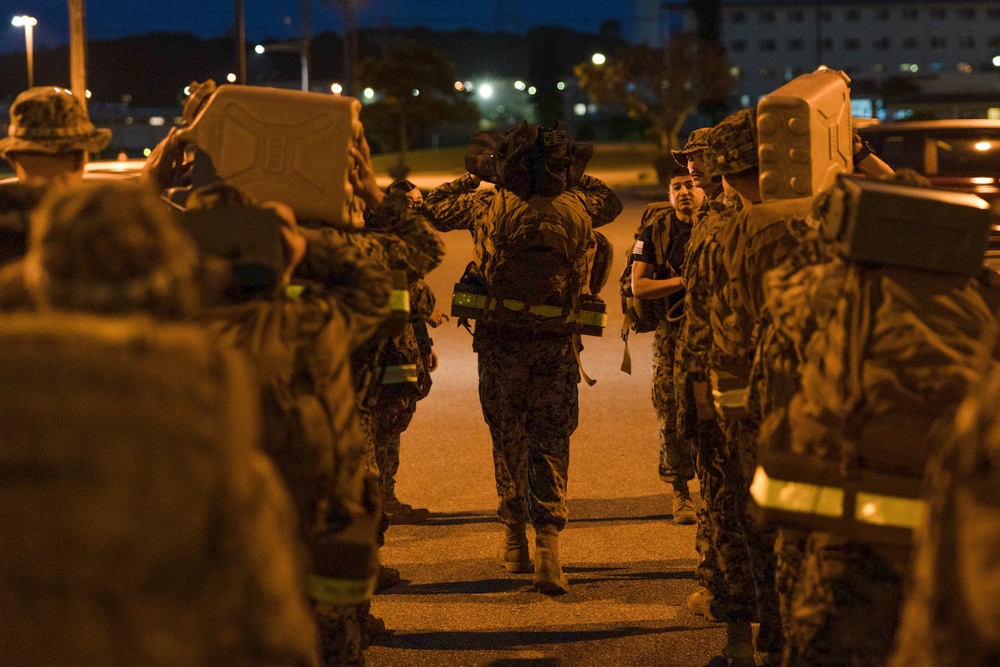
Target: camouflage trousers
(340,629)
(528,390)
(789,547)
(846,604)
(742,581)
(676,453)
(387,455)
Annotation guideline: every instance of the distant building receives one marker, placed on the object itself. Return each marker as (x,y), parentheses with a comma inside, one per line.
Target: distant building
(915,43)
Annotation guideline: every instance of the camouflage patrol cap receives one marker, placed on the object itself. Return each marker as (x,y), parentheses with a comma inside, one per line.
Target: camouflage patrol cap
(732,144)
(46,119)
(697,141)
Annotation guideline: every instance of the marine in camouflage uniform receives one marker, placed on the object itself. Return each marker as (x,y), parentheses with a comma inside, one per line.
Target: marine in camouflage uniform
(721,333)
(690,372)
(396,239)
(149,435)
(951,616)
(528,376)
(48,141)
(676,453)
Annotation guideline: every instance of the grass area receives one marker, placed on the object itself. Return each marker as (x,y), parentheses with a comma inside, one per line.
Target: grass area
(606,156)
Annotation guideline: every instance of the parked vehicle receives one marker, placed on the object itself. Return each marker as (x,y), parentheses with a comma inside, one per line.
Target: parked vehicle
(956,154)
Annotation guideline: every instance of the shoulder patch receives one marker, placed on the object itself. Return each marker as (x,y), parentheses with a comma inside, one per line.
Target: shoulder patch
(637,248)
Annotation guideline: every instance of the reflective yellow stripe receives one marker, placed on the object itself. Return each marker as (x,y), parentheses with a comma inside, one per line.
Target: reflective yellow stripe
(732,398)
(478,301)
(400,374)
(294,291)
(341,591)
(883,510)
(399,300)
(796,496)
(872,508)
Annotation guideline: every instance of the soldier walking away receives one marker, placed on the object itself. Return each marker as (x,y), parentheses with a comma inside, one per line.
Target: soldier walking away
(657,274)
(531,236)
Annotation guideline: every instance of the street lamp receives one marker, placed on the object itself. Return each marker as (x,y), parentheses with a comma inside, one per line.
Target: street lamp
(598,59)
(28,23)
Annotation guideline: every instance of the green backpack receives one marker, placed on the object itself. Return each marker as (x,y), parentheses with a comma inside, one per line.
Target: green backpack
(644,315)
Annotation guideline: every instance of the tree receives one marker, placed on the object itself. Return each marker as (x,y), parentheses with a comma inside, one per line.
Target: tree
(417,85)
(659,86)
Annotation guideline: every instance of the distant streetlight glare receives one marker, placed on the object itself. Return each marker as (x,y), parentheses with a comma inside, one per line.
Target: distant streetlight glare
(231,77)
(486,91)
(416,92)
(598,59)
(532,90)
(187,90)
(580,109)
(459,86)
(369,93)
(259,49)
(996,61)
(983,145)
(86,94)
(519,85)
(28,23)
(561,85)
(336,88)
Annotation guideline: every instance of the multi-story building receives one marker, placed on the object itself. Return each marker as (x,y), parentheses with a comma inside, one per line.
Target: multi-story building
(946,49)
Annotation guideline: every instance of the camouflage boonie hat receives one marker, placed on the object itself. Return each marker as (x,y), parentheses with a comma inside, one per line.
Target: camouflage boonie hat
(51,120)
(732,144)
(697,141)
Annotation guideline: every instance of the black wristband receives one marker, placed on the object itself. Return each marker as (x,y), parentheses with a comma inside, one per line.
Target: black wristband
(865,150)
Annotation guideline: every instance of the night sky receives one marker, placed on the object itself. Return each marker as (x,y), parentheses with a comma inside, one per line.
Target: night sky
(281,18)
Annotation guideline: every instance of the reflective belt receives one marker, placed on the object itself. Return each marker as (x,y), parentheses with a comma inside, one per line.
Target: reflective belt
(400,374)
(731,399)
(871,508)
(399,300)
(341,591)
(583,317)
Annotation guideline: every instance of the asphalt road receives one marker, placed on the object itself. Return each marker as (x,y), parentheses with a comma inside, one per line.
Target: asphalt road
(630,567)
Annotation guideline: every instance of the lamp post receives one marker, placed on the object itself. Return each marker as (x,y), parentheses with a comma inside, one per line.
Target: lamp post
(28,23)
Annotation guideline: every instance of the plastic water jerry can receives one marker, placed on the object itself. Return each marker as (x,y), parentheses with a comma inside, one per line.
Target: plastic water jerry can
(283,145)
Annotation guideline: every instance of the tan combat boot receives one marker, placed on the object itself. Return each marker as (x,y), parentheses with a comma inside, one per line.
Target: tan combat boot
(683,506)
(513,553)
(549,577)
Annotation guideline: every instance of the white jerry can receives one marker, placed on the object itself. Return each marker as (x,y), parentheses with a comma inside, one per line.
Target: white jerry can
(804,135)
(283,145)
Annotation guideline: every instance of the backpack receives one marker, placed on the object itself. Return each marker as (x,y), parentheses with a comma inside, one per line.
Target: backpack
(644,315)
(541,256)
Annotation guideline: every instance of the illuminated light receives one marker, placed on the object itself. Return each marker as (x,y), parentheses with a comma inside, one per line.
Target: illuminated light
(996,61)
(259,48)
(459,85)
(486,91)
(157,121)
(468,86)
(23,21)
(982,180)
(147,151)
(914,68)
(983,145)
(993,113)
(416,92)
(369,93)
(965,68)
(86,94)
(336,88)
(580,109)
(561,85)
(187,90)
(532,90)
(519,85)
(231,78)
(129,120)
(598,59)
(734,72)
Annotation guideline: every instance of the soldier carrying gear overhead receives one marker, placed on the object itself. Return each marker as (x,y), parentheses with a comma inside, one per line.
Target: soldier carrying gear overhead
(528,367)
